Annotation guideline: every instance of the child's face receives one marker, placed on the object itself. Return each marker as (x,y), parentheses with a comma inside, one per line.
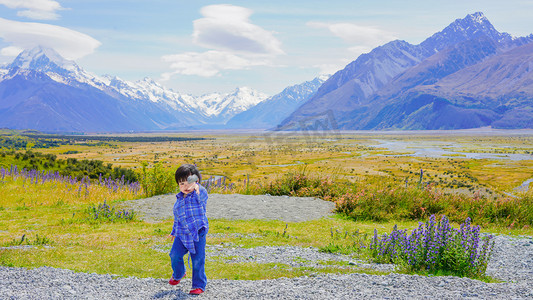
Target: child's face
(186,187)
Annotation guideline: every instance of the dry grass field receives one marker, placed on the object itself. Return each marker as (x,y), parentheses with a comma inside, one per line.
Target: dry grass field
(491,164)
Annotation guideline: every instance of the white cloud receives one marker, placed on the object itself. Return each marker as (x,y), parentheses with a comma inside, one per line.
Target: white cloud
(360,49)
(331,68)
(34,9)
(26,35)
(234,43)
(228,28)
(362,36)
(207,64)
(10,51)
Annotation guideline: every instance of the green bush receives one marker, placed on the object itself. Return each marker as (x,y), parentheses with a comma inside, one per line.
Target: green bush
(157,180)
(302,184)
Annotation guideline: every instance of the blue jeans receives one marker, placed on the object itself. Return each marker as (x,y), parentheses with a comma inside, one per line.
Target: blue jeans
(199,279)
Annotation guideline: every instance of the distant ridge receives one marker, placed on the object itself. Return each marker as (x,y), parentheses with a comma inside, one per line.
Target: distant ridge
(270,112)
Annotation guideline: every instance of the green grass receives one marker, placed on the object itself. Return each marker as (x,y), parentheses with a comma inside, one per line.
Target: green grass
(486,279)
(126,248)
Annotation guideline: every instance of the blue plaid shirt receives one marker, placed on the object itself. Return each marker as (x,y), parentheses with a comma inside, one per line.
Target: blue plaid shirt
(190,217)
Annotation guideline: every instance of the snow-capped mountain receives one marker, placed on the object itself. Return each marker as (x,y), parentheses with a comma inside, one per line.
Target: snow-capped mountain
(49,62)
(45,60)
(150,91)
(219,108)
(269,113)
(359,95)
(140,105)
(471,27)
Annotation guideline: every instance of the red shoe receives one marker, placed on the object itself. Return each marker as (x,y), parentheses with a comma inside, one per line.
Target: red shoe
(173,281)
(196,291)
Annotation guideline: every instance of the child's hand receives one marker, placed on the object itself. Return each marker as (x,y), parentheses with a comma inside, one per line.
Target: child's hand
(197,188)
(171,237)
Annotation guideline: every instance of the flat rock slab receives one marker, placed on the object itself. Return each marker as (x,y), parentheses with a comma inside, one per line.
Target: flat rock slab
(238,207)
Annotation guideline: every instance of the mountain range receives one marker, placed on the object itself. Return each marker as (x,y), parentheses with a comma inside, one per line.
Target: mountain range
(41,90)
(468,75)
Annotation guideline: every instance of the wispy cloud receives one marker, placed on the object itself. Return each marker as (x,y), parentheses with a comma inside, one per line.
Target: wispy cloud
(227,27)
(207,64)
(363,38)
(34,9)
(234,43)
(10,51)
(26,35)
(331,68)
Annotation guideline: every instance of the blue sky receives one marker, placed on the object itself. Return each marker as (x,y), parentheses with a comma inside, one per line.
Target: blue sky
(199,47)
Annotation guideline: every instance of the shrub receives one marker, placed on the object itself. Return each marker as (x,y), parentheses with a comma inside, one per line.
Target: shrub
(303,184)
(71,166)
(39,180)
(157,181)
(437,248)
(384,203)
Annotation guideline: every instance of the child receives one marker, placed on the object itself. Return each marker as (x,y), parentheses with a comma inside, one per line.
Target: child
(190,228)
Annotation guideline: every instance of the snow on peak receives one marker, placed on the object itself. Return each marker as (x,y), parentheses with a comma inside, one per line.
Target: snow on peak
(48,61)
(239,100)
(43,59)
(246,97)
(472,23)
(478,17)
(148,80)
(3,72)
(324,77)
(472,26)
(148,90)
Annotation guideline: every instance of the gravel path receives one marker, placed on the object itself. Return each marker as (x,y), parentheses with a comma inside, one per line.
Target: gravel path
(512,262)
(239,207)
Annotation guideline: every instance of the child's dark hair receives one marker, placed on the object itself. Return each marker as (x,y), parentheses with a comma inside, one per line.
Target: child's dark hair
(185,171)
